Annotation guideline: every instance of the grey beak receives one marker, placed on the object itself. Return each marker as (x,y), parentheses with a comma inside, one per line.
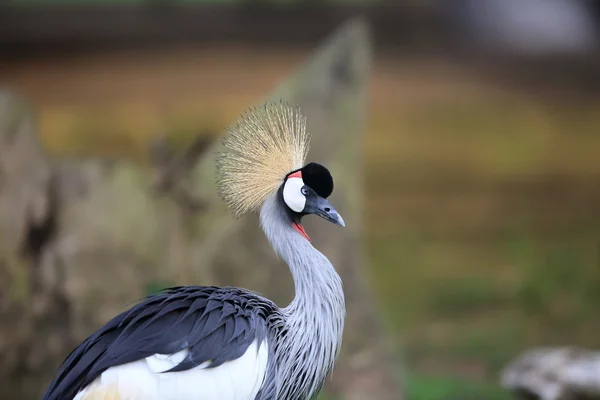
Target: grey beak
(321,207)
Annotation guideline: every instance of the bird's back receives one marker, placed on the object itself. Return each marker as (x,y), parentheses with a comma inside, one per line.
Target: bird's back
(183,343)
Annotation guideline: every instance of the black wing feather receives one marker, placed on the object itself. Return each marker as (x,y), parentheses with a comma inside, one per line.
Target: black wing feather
(213,323)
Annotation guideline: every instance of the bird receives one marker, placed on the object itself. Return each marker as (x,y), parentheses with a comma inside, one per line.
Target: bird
(230,343)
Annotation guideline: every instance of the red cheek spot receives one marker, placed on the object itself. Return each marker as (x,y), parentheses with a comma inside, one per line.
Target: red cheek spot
(297,174)
(300,229)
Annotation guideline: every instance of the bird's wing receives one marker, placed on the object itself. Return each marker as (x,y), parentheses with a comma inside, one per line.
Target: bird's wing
(170,336)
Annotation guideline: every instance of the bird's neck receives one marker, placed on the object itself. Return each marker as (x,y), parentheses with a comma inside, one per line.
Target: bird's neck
(316,315)
(316,280)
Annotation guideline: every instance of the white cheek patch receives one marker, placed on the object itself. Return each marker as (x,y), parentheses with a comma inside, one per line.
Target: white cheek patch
(292,194)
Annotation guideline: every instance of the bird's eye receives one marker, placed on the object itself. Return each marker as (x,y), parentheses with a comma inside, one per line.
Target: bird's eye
(304,190)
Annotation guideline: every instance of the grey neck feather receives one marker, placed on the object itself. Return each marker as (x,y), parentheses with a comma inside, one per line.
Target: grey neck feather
(315,318)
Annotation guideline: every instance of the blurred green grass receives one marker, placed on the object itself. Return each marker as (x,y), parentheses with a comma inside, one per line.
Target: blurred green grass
(481,199)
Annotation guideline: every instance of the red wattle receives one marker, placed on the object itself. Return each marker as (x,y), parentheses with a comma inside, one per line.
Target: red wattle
(298,227)
(297,174)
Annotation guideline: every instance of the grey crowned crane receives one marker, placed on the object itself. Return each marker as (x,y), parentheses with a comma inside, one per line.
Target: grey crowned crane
(227,343)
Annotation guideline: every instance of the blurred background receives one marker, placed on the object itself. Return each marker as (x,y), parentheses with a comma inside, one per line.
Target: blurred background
(481,149)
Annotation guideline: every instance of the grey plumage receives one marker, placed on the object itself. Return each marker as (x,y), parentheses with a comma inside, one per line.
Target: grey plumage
(314,320)
(213,323)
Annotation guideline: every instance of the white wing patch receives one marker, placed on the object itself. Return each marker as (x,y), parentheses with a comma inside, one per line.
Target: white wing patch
(239,379)
(292,194)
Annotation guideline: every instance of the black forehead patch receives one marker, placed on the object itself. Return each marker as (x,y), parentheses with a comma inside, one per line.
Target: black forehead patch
(318,178)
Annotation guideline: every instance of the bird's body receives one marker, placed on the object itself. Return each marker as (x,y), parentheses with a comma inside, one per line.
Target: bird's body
(225,343)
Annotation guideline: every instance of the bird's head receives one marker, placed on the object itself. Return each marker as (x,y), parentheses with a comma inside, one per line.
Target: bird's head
(305,191)
(264,156)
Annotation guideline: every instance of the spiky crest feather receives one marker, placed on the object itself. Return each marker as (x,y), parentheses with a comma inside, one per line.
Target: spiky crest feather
(266,144)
